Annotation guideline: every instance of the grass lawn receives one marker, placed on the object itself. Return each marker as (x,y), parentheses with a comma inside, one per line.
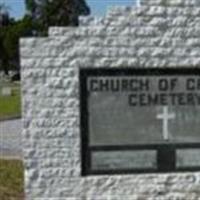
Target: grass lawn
(11,180)
(10,106)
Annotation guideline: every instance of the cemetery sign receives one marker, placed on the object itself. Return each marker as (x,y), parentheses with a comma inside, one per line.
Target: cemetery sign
(140,120)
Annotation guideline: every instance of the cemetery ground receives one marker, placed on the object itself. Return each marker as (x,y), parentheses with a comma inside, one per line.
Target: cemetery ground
(10,105)
(11,180)
(11,170)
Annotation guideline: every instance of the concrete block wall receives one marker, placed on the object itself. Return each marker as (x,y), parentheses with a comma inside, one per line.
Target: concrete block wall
(159,33)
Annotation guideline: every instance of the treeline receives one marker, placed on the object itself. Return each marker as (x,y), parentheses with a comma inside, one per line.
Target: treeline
(40,14)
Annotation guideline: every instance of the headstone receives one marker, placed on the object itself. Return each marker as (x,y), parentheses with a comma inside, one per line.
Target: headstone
(6,91)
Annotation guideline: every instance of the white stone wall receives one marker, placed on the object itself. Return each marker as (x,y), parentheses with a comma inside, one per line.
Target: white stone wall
(159,33)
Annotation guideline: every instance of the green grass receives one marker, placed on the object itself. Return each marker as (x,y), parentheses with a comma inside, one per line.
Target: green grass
(11,180)
(10,106)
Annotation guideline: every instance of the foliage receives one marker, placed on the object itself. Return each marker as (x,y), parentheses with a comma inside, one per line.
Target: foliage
(41,15)
(9,42)
(4,15)
(10,33)
(56,12)
(31,6)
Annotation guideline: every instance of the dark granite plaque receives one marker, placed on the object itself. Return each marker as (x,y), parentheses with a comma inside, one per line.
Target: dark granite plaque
(140,120)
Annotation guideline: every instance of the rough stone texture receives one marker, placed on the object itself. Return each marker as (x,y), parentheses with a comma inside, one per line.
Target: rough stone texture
(159,33)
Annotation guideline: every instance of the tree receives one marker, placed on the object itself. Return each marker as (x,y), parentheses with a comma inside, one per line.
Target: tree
(4,22)
(3,55)
(4,15)
(47,13)
(10,32)
(41,14)
(31,6)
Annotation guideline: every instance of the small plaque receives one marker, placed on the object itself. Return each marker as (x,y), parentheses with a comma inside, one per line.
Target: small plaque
(126,113)
(112,160)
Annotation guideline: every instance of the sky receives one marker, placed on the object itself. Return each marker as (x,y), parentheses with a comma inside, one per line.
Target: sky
(98,7)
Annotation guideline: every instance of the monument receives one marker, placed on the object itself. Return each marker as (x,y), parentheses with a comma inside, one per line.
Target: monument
(111,108)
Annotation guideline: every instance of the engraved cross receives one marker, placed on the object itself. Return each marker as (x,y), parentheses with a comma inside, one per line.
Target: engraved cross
(166,116)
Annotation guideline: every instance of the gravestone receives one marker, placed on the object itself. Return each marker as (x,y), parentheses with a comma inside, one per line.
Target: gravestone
(6,91)
(112,98)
